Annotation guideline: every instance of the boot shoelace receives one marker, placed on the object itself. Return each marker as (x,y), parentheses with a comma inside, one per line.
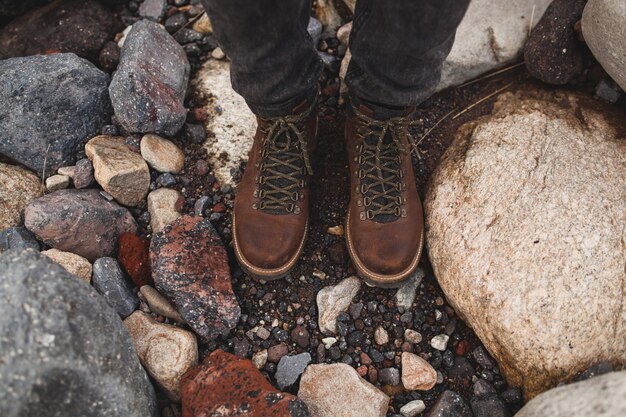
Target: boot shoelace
(379,159)
(283,165)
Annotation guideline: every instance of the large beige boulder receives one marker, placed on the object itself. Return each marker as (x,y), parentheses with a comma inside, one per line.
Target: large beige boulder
(525,230)
(18,187)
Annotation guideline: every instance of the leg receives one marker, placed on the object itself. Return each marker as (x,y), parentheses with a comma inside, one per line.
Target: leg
(398,48)
(274,65)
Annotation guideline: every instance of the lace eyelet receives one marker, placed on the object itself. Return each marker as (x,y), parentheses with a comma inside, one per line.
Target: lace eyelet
(363,188)
(369,214)
(397,211)
(290,207)
(367,201)
(295,196)
(361,173)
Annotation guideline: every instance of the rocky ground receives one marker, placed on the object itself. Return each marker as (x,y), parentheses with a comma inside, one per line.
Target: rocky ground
(146,219)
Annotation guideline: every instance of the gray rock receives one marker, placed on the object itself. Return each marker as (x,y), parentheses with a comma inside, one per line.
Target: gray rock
(483,388)
(290,368)
(11,8)
(153,9)
(491,35)
(17,239)
(450,404)
(50,105)
(63,350)
(110,281)
(607,92)
(604,29)
(148,88)
(78,26)
(315,30)
(83,174)
(389,376)
(406,293)
(602,396)
(489,406)
(79,221)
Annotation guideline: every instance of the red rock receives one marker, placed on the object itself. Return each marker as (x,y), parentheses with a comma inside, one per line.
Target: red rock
(228,385)
(365,359)
(372,375)
(134,256)
(219,208)
(274,353)
(190,267)
(362,370)
(462,347)
(300,335)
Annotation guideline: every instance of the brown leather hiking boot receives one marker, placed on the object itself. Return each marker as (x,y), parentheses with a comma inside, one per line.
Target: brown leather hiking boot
(384,225)
(271,211)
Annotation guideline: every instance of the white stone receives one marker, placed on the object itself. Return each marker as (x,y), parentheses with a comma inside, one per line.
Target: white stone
(333,300)
(491,35)
(413,408)
(329,342)
(164,206)
(604,29)
(525,224)
(381,337)
(440,342)
(260,359)
(601,396)
(57,182)
(231,125)
(337,390)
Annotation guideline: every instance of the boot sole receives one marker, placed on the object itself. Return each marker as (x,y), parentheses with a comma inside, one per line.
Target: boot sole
(380,280)
(262,273)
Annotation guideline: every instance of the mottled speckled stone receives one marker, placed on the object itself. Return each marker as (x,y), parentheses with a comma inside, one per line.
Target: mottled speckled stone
(226,384)
(149,86)
(190,267)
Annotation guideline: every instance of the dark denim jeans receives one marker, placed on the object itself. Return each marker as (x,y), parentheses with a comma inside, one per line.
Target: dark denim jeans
(398,48)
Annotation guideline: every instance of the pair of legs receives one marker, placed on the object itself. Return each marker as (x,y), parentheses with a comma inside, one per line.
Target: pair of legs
(398,47)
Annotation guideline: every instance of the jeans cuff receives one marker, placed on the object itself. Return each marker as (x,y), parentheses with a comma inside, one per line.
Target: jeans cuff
(285,108)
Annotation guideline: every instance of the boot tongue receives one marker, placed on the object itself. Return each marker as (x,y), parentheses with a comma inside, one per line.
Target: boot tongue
(380,113)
